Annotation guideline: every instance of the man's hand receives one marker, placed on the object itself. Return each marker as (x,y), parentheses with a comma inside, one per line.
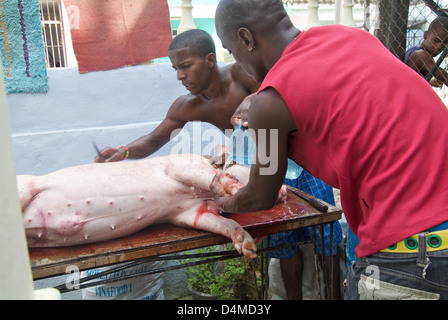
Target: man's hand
(436,83)
(242,112)
(111,155)
(222,187)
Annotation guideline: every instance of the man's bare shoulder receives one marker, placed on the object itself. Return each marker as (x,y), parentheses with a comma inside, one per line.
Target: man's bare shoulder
(236,72)
(240,77)
(420,55)
(184,108)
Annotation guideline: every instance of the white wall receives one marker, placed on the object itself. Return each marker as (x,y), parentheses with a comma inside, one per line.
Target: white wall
(55,130)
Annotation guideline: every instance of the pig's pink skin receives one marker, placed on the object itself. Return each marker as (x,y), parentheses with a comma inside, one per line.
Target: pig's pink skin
(104,201)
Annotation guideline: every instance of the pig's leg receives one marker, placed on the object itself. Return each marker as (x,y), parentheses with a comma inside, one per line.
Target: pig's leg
(196,171)
(192,170)
(206,218)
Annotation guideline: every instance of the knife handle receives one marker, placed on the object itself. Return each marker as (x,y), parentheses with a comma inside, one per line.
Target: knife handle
(311,200)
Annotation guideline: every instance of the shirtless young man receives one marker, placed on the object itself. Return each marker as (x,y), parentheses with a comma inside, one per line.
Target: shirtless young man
(421,58)
(215,93)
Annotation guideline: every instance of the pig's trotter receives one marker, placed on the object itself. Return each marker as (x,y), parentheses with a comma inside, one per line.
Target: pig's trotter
(206,218)
(243,243)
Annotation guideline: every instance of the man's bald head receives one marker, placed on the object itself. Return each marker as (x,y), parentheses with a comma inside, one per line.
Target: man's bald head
(258,16)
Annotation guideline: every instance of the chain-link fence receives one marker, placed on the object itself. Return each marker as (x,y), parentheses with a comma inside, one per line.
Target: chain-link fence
(400,25)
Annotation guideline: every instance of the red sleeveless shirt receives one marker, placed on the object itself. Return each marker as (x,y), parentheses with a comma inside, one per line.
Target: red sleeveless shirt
(370,126)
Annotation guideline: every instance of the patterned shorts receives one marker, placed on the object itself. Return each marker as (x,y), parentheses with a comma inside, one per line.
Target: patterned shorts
(317,188)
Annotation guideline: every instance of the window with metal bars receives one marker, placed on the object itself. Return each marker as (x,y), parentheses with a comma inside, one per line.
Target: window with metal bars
(53,33)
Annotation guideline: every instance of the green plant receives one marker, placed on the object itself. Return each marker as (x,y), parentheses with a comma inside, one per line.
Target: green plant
(232,279)
(203,277)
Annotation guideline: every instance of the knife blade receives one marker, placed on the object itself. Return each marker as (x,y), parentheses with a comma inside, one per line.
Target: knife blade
(100,156)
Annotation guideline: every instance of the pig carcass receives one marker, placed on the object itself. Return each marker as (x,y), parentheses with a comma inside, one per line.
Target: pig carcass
(102,201)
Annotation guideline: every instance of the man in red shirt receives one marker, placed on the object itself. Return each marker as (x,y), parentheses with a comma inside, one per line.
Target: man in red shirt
(338,103)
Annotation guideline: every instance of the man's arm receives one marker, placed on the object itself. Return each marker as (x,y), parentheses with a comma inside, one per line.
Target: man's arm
(150,143)
(242,112)
(251,86)
(421,60)
(271,123)
(440,75)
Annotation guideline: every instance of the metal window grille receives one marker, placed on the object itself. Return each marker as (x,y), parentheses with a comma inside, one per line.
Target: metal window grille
(53,33)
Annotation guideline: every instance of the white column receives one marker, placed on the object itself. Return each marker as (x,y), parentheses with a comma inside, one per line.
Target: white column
(337,11)
(347,14)
(16,281)
(186,20)
(312,19)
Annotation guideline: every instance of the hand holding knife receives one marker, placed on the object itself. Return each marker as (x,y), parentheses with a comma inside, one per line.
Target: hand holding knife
(100,156)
